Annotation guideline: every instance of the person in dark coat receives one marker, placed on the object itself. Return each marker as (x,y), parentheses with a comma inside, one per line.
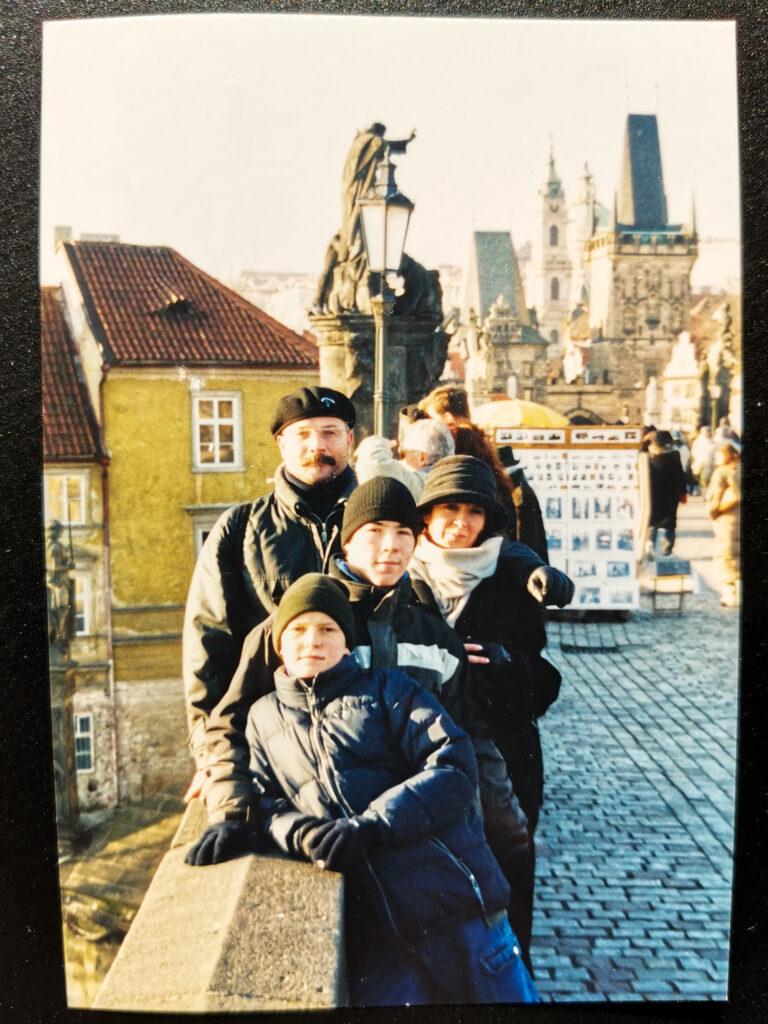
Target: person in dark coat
(528,521)
(258,548)
(363,772)
(667,487)
(464,568)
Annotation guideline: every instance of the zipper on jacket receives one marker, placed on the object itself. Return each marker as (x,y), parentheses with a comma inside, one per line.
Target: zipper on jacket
(463,868)
(325,766)
(323,762)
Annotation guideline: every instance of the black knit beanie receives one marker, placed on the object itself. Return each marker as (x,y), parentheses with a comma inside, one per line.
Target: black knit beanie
(308,402)
(463,478)
(314,592)
(381,497)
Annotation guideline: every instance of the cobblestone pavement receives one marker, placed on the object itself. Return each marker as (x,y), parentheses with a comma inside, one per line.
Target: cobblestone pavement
(634,846)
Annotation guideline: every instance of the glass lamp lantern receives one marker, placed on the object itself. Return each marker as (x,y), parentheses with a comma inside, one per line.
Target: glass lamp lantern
(385,213)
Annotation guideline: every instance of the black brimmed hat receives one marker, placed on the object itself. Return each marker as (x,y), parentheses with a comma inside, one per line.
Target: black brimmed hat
(380,498)
(314,592)
(466,479)
(308,402)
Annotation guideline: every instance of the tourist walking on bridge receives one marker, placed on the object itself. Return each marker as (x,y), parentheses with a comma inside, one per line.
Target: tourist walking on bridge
(724,506)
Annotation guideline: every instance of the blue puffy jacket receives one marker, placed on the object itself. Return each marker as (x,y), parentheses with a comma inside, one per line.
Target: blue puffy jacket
(376,744)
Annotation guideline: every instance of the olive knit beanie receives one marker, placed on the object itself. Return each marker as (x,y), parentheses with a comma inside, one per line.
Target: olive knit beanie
(463,478)
(314,592)
(308,402)
(380,498)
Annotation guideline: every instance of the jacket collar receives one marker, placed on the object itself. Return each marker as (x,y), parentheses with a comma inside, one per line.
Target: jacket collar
(327,685)
(382,602)
(294,502)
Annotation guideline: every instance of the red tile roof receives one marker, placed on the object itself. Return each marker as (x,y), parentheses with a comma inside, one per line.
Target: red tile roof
(70,430)
(147,304)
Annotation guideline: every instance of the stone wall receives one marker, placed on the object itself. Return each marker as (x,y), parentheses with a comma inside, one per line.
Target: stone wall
(152,738)
(253,934)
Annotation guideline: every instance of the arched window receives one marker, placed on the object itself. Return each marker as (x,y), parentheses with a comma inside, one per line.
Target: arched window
(553,235)
(553,339)
(554,288)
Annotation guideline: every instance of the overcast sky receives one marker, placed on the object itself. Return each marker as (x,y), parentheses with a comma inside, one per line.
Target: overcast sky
(224,136)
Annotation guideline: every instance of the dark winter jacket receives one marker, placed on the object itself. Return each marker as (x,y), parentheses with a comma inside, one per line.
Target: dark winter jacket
(376,744)
(526,523)
(390,632)
(251,556)
(519,684)
(667,484)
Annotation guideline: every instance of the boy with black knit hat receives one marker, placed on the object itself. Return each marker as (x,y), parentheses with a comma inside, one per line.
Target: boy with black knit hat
(362,771)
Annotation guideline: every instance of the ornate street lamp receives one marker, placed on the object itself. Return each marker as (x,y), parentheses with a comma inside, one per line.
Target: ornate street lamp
(715,391)
(384,214)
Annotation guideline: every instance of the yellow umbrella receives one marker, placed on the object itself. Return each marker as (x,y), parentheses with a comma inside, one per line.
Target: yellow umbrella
(516,412)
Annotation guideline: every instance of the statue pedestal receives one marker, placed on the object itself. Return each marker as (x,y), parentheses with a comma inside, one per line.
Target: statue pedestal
(415,356)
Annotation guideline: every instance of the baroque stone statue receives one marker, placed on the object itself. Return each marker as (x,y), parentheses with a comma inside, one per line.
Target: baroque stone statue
(59,589)
(343,283)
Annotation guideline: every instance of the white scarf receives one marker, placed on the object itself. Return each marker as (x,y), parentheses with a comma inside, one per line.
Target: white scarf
(453,573)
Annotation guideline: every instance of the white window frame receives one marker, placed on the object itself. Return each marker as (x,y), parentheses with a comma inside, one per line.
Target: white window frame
(217,466)
(82,599)
(62,477)
(202,527)
(80,733)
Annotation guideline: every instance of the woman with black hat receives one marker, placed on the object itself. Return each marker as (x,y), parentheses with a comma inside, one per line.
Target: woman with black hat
(492,591)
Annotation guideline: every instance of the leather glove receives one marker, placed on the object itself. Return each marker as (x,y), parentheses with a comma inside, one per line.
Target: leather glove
(335,845)
(224,841)
(505,830)
(550,586)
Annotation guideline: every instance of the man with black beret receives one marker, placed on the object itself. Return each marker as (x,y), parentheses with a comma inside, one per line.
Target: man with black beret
(257,549)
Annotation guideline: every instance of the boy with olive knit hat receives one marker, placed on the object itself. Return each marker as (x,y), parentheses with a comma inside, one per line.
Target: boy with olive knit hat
(362,771)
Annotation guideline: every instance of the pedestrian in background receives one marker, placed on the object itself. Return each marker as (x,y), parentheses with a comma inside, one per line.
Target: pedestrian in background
(724,507)
(702,458)
(667,490)
(375,456)
(685,458)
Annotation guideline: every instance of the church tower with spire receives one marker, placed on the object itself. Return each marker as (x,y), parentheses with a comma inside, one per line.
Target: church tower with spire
(550,271)
(639,269)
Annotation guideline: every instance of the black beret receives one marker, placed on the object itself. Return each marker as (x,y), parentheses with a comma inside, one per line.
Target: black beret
(308,402)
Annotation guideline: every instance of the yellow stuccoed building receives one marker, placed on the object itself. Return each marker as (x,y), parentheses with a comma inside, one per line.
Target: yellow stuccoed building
(183,375)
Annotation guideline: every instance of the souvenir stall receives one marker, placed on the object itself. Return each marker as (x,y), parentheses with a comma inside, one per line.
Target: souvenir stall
(586,480)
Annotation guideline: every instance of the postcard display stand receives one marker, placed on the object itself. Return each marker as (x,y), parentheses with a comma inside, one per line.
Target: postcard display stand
(586,481)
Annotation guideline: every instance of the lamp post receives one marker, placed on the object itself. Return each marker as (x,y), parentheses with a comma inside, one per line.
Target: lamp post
(384,214)
(715,390)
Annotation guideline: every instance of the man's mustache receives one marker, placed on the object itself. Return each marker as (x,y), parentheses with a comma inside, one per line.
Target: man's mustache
(317,460)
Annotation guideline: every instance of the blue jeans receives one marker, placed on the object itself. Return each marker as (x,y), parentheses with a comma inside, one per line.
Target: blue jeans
(465,963)
(669,539)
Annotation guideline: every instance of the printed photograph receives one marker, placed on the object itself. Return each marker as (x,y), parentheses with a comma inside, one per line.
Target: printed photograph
(365,339)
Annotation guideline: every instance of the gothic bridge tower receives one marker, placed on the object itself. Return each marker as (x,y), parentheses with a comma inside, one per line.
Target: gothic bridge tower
(639,272)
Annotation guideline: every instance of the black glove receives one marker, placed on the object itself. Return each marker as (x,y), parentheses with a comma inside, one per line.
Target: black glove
(505,829)
(335,845)
(550,586)
(503,686)
(224,841)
